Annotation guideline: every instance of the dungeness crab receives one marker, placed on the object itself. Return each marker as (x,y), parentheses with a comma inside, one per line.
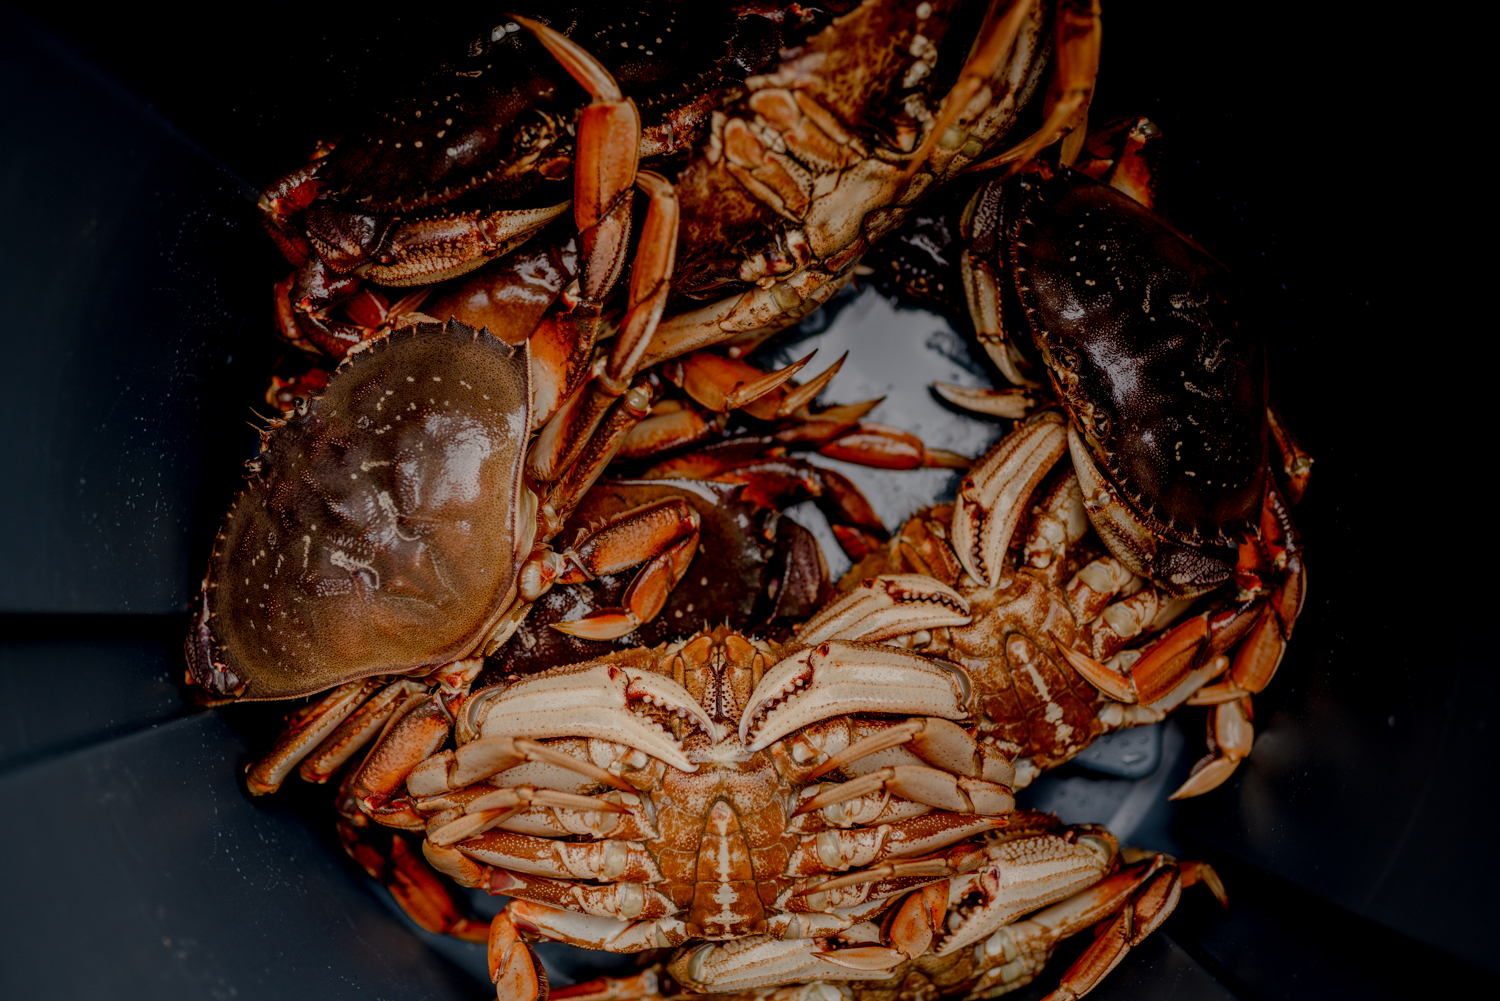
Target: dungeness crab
(1165,416)
(793,137)
(670,797)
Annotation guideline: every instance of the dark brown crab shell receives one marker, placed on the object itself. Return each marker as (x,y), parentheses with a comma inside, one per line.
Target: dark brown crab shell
(483,123)
(1143,340)
(382,530)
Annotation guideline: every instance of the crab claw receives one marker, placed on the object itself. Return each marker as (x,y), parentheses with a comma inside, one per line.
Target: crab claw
(836,677)
(591,700)
(515,970)
(887,606)
(992,498)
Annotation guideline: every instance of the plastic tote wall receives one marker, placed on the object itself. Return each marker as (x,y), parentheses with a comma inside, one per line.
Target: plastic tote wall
(134,305)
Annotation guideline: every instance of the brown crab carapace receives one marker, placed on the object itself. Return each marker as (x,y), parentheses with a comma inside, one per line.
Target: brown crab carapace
(366,540)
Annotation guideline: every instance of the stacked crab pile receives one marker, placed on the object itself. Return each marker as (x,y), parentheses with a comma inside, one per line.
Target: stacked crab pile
(796,790)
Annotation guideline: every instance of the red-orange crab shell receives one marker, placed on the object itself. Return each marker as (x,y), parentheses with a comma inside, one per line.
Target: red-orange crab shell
(382,524)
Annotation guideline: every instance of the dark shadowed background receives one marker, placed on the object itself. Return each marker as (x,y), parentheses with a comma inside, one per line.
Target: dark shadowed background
(135,281)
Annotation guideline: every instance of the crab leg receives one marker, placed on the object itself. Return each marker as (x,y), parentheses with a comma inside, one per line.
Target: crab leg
(605,165)
(970,95)
(593,931)
(559,444)
(597,860)
(1259,653)
(778,483)
(1143,913)
(835,851)
(416,730)
(626,901)
(1076,65)
(723,384)
(1230,734)
(982,296)
(306,728)
(1011,404)
(1059,524)
(939,742)
(760,960)
(920,784)
(487,756)
(643,986)
(668,530)
(413,884)
(355,732)
(1296,465)
(494,806)
(750,313)
(883,447)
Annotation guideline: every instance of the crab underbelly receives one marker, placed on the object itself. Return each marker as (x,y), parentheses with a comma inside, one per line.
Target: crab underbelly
(724,857)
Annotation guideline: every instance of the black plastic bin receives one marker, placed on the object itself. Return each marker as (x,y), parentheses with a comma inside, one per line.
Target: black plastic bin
(1355,841)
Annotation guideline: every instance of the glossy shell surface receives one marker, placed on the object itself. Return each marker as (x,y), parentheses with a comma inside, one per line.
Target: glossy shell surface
(483,122)
(383,529)
(1147,350)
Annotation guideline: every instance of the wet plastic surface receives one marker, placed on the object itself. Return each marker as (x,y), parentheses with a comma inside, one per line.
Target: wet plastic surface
(133,276)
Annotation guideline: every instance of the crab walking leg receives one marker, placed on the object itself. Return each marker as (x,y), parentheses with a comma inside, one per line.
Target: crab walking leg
(748,314)
(609,139)
(355,732)
(667,532)
(970,95)
(881,446)
(624,900)
(929,786)
(410,880)
(1259,653)
(560,442)
(1230,735)
(779,483)
(1076,38)
(940,742)
(1296,465)
(306,728)
(643,986)
(626,861)
(1013,956)
(760,961)
(593,931)
(1143,913)
(836,851)
(982,296)
(414,733)
(1011,404)
(486,756)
